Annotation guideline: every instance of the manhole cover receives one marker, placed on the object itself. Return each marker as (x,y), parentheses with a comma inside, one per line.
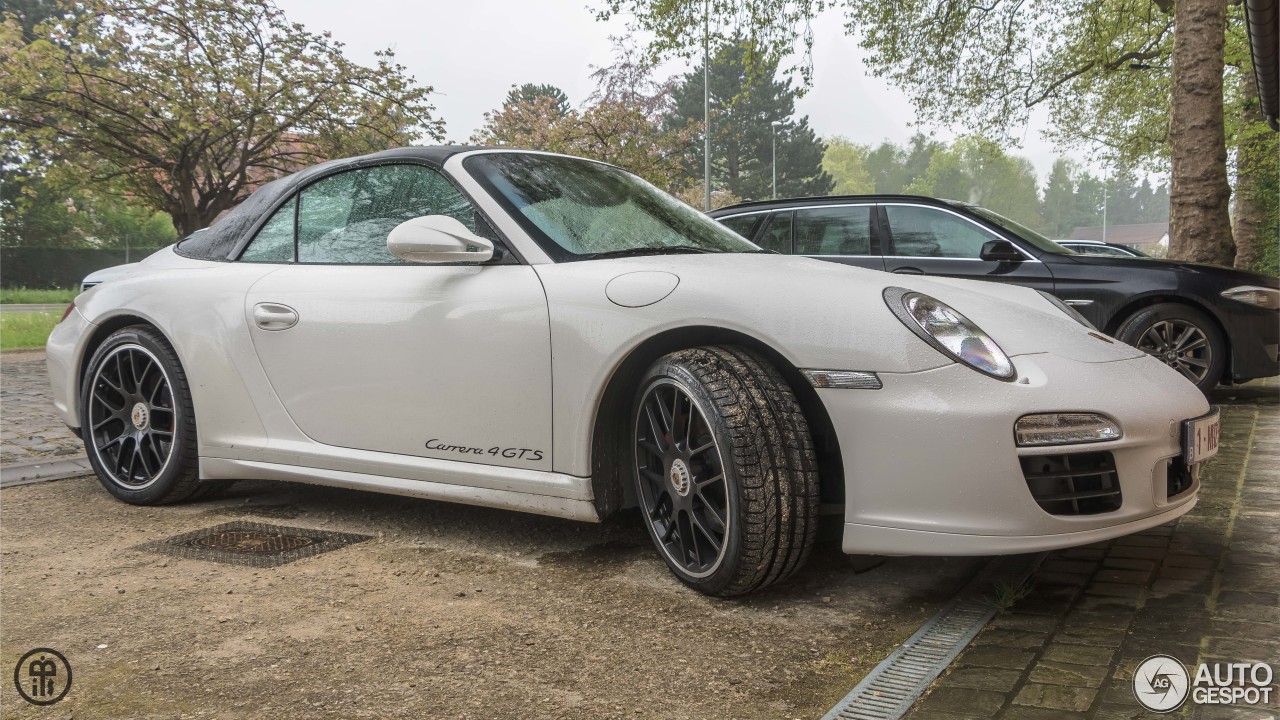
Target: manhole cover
(251,543)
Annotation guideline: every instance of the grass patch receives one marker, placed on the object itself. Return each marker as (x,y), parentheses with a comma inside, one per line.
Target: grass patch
(20,296)
(25,330)
(1005,594)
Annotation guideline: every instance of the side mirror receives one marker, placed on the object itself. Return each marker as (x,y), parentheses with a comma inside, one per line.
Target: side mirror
(433,239)
(1000,251)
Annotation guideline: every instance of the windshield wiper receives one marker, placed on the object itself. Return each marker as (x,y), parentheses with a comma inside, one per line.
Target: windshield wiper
(632,252)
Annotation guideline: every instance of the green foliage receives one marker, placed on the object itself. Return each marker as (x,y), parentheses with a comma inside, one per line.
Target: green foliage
(980,172)
(530,92)
(743,107)
(190,103)
(846,162)
(893,168)
(21,296)
(619,124)
(26,330)
(57,210)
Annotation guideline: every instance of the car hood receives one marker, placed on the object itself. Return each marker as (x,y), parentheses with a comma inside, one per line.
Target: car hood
(823,314)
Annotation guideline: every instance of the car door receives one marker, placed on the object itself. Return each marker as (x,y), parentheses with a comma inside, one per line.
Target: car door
(840,233)
(365,351)
(928,240)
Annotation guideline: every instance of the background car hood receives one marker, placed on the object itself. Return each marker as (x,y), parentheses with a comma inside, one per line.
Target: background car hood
(835,314)
(1229,277)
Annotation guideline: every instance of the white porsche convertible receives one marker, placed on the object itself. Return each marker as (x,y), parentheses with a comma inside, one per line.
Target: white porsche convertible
(550,334)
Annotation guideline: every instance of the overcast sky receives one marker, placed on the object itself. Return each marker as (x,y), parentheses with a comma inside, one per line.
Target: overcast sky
(472,51)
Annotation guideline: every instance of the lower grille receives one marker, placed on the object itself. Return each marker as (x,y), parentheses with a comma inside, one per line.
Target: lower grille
(1073,483)
(1181,478)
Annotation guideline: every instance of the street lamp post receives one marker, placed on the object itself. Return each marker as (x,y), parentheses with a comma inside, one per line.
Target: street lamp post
(706,105)
(775,125)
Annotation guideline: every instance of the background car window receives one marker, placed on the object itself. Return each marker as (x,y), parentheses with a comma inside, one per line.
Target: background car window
(777,234)
(834,231)
(346,218)
(274,242)
(742,224)
(928,232)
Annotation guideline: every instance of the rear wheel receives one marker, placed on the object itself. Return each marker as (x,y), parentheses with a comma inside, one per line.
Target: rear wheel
(1183,338)
(725,470)
(138,423)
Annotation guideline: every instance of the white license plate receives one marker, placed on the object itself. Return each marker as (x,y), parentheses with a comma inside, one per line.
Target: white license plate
(1200,437)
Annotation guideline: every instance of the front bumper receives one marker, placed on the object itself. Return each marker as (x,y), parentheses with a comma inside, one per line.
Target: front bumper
(62,355)
(931,467)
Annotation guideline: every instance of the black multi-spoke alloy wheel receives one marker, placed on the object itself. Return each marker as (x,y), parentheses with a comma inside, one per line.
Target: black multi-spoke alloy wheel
(137,420)
(1183,338)
(725,470)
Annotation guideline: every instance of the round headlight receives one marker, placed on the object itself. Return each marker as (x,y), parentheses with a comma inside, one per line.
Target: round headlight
(943,327)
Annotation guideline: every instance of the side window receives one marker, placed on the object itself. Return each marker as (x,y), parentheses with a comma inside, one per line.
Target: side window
(929,232)
(274,242)
(742,224)
(777,234)
(345,218)
(834,231)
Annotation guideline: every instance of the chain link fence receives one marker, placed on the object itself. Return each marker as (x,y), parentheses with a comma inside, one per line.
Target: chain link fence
(40,268)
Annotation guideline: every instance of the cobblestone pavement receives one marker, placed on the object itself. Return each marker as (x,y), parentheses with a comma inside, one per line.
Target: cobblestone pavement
(1201,589)
(31,429)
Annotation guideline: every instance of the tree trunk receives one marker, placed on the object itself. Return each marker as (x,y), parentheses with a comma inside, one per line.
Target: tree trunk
(1248,206)
(1199,216)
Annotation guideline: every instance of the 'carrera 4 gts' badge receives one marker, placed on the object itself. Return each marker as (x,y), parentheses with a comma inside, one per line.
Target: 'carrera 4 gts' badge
(510,453)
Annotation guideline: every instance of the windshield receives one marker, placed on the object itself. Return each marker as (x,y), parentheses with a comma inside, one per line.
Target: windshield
(579,209)
(1041,242)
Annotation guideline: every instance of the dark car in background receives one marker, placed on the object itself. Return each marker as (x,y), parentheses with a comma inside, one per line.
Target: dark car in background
(1212,324)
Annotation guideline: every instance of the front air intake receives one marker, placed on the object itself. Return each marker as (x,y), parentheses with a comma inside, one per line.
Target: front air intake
(1073,483)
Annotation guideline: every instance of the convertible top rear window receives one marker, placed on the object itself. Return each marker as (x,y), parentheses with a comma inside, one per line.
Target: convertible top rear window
(218,240)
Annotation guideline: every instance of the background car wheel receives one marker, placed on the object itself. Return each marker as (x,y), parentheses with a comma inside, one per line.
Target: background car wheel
(138,423)
(1183,338)
(725,470)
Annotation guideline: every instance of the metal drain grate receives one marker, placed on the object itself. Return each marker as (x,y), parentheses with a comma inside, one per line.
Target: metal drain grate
(889,690)
(251,543)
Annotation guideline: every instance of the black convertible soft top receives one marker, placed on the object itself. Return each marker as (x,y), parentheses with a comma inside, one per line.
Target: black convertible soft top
(219,241)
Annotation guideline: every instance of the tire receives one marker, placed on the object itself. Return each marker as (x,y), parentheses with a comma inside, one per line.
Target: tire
(1200,356)
(767,489)
(140,434)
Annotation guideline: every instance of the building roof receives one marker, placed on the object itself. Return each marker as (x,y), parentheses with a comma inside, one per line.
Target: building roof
(1140,234)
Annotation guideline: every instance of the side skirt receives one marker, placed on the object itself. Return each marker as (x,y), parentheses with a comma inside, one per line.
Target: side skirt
(214,468)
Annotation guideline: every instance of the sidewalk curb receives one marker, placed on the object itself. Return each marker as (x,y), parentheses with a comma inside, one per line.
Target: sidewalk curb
(44,470)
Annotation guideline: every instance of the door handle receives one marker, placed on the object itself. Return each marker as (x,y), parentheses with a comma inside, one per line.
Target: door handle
(908,271)
(273,316)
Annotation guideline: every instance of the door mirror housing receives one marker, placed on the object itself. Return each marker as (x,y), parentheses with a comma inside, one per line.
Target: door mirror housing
(436,239)
(1001,251)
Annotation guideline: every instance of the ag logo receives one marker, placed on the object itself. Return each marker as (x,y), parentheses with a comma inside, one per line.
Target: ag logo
(1160,683)
(42,676)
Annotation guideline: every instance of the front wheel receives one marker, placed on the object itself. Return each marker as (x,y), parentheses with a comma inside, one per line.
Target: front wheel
(138,423)
(725,470)
(1183,338)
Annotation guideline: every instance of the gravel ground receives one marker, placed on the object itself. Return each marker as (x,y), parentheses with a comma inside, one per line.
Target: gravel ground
(448,611)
